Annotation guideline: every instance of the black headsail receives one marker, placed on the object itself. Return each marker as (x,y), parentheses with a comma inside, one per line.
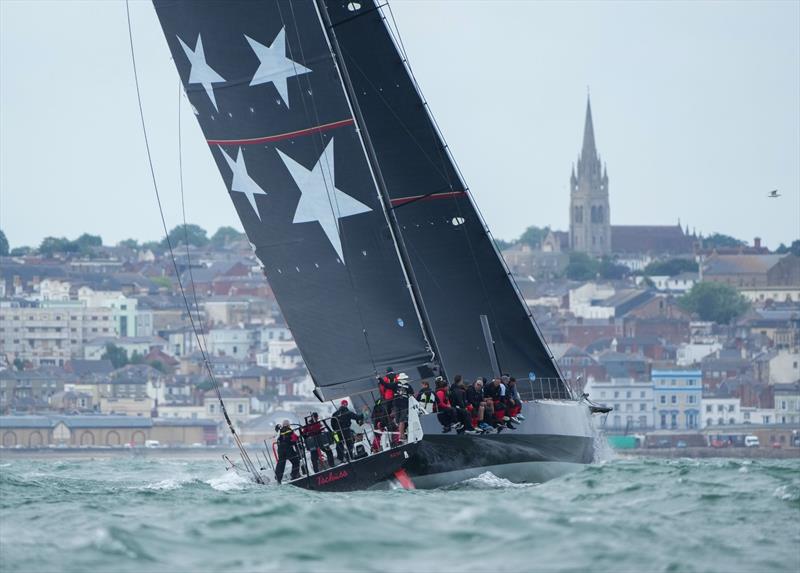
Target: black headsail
(458,270)
(273,109)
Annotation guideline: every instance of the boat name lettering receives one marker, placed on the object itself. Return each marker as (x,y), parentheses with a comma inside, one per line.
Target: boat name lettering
(322,480)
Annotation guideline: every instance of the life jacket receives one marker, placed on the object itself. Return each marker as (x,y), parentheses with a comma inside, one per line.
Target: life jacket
(386,392)
(442,401)
(313,429)
(426,397)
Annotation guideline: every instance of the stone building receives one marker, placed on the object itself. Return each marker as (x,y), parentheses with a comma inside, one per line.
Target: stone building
(96,430)
(589,210)
(590,229)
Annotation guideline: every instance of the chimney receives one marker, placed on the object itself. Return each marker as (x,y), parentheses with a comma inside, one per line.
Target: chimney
(757,243)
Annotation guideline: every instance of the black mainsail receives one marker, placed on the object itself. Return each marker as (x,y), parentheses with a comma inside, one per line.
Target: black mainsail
(270,101)
(370,240)
(458,270)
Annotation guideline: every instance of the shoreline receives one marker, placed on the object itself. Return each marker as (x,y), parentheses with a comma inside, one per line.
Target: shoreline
(94,453)
(708,452)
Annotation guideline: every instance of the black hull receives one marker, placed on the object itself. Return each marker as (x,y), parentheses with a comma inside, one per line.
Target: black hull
(359,474)
(444,459)
(555,438)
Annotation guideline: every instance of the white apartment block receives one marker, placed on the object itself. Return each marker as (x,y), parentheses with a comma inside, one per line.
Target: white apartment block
(53,332)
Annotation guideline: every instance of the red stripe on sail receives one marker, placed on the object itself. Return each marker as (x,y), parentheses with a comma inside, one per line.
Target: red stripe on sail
(404,200)
(281,136)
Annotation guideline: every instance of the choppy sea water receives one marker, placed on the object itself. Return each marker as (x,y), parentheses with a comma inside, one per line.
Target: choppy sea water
(164,515)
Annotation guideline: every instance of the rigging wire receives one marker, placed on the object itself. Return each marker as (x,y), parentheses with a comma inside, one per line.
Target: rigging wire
(245,457)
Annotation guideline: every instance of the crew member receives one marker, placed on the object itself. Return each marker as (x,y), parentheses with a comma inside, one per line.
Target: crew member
(426,398)
(445,413)
(343,433)
(317,439)
(515,400)
(287,451)
(476,403)
(458,398)
(401,393)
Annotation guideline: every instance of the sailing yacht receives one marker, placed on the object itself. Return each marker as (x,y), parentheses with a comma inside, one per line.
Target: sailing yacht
(367,233)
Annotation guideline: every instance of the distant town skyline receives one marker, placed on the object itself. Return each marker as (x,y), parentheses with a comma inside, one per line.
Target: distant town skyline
(696,113)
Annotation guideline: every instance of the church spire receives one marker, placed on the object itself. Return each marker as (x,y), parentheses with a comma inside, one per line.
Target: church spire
(589,151)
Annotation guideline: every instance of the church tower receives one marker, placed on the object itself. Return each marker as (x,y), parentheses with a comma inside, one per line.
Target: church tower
(589,211)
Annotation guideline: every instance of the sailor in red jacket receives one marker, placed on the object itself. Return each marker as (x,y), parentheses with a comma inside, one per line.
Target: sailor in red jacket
(445,412)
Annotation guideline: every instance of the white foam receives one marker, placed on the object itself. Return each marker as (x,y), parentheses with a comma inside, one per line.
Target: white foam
(167,484)
(787,493)
(229,481)
(487,480)
(603,452)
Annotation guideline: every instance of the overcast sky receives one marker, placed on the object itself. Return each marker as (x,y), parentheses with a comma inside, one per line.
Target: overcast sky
(696,108)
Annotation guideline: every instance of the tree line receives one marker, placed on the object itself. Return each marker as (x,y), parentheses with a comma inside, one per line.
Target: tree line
(88,245)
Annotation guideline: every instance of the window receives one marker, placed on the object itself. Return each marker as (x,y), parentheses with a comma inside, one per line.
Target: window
(642,407)
(720,421)
(240,408)
(616,394)
(709,408)
(641,394)
(720,408)
(663,421)
(628,394)
(731,421)
(692,399)
(663,399)
(730,408)
(674,421)
(709,422)
(674,399)
(211,408)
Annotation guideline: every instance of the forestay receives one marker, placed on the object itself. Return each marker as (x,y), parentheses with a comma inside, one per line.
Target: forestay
(272,106)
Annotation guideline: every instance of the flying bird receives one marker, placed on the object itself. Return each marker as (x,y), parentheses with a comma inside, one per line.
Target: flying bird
(773,194)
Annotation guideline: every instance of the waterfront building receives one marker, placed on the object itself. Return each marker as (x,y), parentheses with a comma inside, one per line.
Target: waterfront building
(100,430)
(678,396)
(632,401)
(787,403)
(718,411)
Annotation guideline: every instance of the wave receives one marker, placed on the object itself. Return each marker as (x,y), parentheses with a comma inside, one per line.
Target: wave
(486,480)
(230,481)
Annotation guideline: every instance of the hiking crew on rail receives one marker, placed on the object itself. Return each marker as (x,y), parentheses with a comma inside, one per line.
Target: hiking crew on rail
(478,408)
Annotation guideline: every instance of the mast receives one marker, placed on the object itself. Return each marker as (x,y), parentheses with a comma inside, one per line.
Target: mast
(397,237)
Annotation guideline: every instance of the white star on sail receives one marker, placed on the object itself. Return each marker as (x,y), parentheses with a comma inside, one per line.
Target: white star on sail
(275,67)
(320,200)
(242,182)
(201,73)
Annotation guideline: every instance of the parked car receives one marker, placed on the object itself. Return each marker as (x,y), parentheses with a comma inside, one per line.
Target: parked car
(719,444)
(776,445)
(751,442)
(680,444)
